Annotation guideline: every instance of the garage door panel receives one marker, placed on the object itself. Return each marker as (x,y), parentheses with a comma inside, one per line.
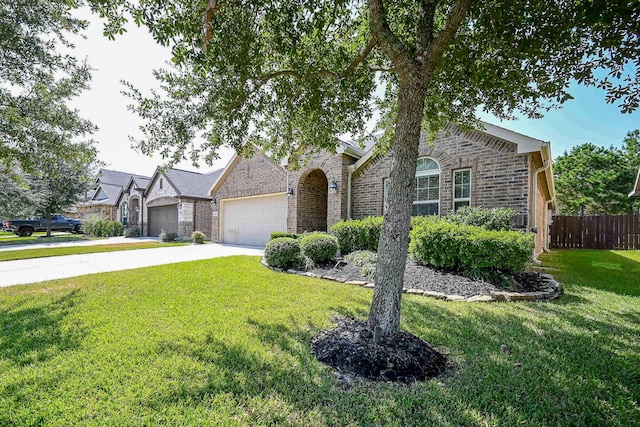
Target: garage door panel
(163,218)
(250,221)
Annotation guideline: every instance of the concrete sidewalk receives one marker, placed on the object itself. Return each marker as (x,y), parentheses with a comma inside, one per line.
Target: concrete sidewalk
(42,269)
(96,242)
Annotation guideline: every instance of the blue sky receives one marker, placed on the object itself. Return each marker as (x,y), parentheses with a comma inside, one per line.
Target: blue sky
(586,118)
(133,56)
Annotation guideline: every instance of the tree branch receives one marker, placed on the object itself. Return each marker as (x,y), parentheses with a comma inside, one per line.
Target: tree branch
(440,43)
(390,43)
(361,57)
(424,30)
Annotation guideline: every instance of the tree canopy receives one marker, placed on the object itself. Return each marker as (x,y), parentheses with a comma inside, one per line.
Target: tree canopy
(597,180)
(37,79)
(291,76)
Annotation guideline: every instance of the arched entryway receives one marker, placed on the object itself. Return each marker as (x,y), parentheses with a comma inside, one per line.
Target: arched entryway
(312,201)
(134,212)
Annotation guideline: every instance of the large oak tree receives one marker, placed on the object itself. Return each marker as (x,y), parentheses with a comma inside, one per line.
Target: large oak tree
(290,76)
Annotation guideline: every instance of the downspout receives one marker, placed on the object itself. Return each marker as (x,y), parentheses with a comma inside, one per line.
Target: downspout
(534,201)
(546,234)
(350,170)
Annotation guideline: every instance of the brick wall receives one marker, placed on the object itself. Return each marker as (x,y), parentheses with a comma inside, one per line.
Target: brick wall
(247,177)
(312,202)
(499,176)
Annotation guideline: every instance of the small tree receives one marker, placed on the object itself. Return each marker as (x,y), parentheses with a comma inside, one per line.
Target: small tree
(60,182)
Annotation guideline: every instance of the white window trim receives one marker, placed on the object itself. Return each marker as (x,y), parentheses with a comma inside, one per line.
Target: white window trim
(430,173)
(461,199)
(418,174)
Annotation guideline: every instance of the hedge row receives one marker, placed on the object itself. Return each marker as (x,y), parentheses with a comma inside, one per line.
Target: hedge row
(100,227)
(313,248)
(445,244)
(358,234)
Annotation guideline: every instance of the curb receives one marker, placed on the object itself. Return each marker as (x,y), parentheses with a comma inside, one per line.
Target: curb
(552,289)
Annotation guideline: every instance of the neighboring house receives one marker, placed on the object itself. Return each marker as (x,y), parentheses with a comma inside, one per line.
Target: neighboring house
(490,168)
(130,203)
(178,201)
(104,198)
(636,188)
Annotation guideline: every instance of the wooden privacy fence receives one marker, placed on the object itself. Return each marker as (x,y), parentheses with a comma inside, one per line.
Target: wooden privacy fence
(595,232)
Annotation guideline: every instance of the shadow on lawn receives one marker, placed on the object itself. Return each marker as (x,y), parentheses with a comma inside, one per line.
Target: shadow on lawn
(560,365)
(287,385)
(597,269)
(36,334)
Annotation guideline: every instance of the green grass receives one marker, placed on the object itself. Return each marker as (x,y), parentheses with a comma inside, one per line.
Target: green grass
(39,238)
(74,250)
(226,342)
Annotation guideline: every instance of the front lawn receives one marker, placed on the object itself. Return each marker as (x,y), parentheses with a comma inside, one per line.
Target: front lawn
(74,250)
(226,342)
(39,238)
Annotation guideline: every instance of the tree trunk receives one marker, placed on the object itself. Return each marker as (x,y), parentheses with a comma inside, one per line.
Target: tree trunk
(384,315)
(48,224)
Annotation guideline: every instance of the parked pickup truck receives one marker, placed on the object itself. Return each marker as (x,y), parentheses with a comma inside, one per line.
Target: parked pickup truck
(26,227)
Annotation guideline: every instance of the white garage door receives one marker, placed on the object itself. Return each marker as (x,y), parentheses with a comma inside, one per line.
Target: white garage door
(250,221)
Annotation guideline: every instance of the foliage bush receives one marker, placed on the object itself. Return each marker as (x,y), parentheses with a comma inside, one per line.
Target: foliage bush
(492,219)
(132,232)
(198,237)
(169,236)
(319,247)
(366,260)
(277,234)
(282,252)
(468,248)
(358,234)
(364,234)
(98,226)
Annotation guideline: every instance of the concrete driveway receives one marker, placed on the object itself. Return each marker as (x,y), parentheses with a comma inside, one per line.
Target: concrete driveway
(41,269)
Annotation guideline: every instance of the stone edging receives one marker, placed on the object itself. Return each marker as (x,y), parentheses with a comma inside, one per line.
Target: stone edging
(552,290)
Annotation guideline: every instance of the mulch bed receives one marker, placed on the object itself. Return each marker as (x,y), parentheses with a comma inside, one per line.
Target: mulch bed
(351,351)
(417,276)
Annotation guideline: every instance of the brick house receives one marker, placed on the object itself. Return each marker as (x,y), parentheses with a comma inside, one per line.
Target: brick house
(104,198)
(177,201)
(494,167)
(130,202)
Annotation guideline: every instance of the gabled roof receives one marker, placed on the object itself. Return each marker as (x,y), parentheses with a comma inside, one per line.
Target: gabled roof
(187,183)
(636,188)
(106,194)
(108,176)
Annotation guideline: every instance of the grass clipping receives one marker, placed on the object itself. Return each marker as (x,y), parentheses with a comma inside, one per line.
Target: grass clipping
(350,350)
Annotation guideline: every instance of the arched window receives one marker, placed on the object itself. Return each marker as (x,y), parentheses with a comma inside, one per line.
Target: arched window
(124,213)
(426,199)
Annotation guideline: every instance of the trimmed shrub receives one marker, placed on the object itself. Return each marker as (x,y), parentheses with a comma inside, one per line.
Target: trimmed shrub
(364,234)
(198,237)
(98,226)
(468,248)
(132,232)
(168,236)
(277,234)
(282,252)
(358,234)
(492,219)
(366,260)
(319,247)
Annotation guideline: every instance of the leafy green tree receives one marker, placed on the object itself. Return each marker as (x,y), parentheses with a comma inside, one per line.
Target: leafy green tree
(60,182)
(17,200)
(291,75)
(37,79)
(596,180)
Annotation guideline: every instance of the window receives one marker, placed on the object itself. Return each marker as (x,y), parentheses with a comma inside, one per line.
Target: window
(426,197)
(124,213)
(161,183)
(461,188)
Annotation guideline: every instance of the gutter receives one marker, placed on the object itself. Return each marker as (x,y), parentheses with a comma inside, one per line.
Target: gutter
(534,200)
